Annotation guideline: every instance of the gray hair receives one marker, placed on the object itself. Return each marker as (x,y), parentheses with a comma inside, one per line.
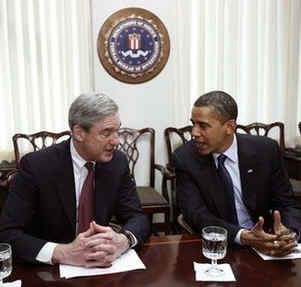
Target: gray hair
(223,104)
(87,109)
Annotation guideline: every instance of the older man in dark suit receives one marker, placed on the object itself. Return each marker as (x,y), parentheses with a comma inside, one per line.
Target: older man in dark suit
(64,197)
(235,181)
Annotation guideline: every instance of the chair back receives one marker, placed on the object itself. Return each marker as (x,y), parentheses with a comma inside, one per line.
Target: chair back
(139,147)
(275,130)
(175,137)
(25,143)
(299,125)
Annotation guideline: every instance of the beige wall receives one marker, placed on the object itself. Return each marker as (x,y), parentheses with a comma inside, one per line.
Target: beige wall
(150,104)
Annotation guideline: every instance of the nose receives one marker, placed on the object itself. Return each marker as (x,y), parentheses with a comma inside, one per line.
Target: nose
(195,131)
(115,140)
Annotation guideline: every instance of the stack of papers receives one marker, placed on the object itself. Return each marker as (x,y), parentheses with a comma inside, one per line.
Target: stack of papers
(294,255)
(126,262)
(200,274)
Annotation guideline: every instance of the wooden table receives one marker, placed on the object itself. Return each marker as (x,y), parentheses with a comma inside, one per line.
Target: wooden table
(169,264)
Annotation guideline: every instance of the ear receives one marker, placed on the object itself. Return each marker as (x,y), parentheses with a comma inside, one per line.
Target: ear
(78,133)
(231,127)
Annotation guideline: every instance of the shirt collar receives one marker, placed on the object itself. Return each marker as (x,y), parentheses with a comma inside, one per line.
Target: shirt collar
(77,160)
(231,152)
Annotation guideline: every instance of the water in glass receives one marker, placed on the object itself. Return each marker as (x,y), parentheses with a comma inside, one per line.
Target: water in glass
(214,247)
(5,261)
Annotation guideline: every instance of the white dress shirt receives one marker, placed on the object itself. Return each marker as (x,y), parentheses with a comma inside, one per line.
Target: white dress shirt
(232,165)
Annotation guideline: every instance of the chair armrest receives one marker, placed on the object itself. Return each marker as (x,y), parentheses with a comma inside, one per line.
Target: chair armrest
(6,175)
(184,224)
(168,172)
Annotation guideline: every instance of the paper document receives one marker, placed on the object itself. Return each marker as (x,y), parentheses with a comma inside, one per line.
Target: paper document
(294,255)
(17,283)
(200,274)
(126,262)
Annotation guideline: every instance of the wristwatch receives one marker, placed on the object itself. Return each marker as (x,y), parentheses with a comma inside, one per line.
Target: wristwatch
(129,237)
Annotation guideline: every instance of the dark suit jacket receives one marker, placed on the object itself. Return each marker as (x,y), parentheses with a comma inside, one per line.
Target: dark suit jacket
(264,181)
(41,205)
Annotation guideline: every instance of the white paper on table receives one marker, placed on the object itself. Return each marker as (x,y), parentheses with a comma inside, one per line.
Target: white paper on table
(16,283)
(126,262)
(294,255)
(200,274)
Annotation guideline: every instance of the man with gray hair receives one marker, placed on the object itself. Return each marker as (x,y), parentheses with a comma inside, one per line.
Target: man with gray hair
(63,197)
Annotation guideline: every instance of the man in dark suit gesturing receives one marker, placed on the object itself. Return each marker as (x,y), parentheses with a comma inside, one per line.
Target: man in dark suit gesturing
(63,197)
(236,181)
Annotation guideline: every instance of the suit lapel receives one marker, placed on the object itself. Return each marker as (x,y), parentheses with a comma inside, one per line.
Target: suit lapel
(103,177)
(248,166)
(65,182)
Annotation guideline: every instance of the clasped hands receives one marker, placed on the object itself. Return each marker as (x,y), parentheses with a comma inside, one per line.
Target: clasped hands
(279,243)
(99,246)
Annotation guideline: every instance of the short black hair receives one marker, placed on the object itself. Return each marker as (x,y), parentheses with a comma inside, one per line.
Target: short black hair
(223,104)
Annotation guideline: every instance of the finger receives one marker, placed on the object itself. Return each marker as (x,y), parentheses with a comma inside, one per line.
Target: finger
(101,254)
(259,224)
(103,236)
(277,222)
(100,228)
(288,246)
(93,243)
(279,253)
(291,237)
(101,263)
(92,224)
(283,250)
(86,233)
(96,256)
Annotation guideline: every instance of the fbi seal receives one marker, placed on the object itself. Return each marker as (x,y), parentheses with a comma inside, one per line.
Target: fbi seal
(133,45)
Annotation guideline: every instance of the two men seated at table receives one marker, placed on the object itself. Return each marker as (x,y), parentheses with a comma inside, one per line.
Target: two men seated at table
(63,197)
(236,181)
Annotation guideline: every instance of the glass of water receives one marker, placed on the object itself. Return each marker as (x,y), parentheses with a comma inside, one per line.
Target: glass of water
(5,261)
(214,246)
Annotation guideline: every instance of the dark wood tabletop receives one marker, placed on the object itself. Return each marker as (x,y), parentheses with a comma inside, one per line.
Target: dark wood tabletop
(169,262)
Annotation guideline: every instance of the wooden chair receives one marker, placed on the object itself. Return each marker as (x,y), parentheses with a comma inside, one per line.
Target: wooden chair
(175,137)
(184,224)
(24,143)
(261,129)
(7,172)
(139,147)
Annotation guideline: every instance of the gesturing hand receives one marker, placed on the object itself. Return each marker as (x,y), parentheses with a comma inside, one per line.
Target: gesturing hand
(286,240)
(258,238)
(281,243)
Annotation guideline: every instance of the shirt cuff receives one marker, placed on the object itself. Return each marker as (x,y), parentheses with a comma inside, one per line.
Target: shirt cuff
(130,237)
(135,241)
(237,237)
(45,254)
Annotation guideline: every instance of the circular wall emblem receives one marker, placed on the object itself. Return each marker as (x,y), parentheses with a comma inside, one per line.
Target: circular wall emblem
(133,45)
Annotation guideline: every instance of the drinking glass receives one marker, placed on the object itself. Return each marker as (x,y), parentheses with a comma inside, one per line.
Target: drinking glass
(214,246)
(5,261)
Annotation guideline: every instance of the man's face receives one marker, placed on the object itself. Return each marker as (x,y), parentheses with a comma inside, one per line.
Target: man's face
(209,133)
(100,141)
